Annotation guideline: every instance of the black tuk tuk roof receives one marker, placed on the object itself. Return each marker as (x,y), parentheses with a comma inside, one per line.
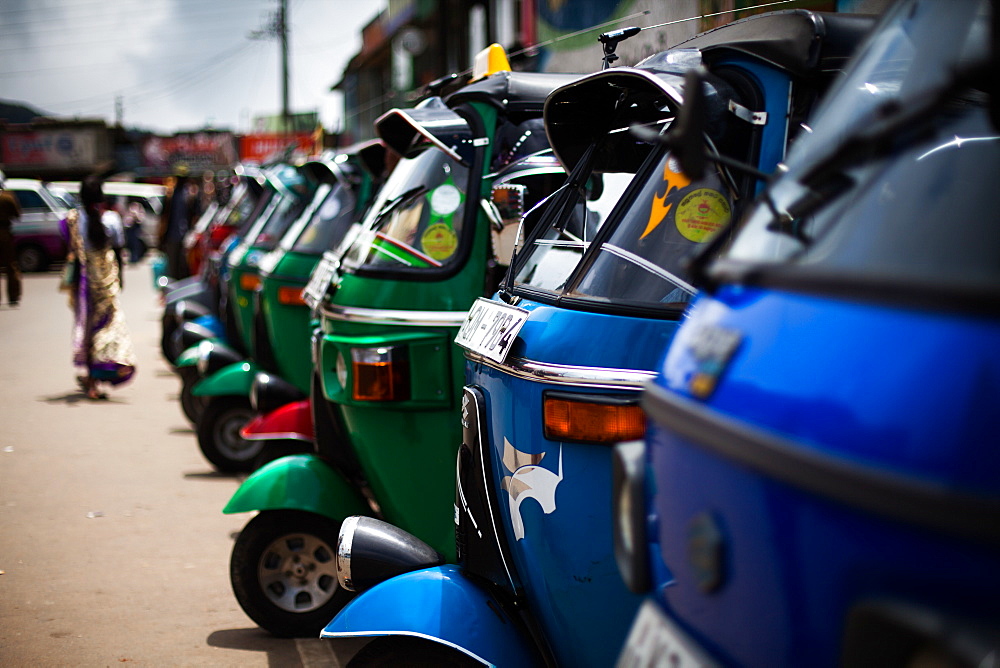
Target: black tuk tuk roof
(800,42)
(435,122)
(797,40)
(371,154)
(430,121)
(330,168)
(513,91)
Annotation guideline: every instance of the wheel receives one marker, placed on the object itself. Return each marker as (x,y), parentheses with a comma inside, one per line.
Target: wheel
(284,572)
(168,327)
(411,652)
(31,258)
(219,434)
(192,406)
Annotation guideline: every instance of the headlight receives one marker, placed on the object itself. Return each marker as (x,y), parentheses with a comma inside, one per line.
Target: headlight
(269,393)
(370,551)
(213,356)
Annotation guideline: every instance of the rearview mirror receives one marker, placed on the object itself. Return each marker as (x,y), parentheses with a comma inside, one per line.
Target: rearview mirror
(686,136)
(508,198)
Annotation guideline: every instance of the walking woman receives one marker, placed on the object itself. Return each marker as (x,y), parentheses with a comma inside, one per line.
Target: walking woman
(102,347)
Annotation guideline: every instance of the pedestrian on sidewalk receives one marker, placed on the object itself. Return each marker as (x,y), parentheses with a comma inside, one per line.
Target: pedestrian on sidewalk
(176,219)
(102,346)
(10,211)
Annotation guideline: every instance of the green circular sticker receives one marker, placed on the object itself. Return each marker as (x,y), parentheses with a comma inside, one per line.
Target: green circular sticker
(439,241)
(701,214)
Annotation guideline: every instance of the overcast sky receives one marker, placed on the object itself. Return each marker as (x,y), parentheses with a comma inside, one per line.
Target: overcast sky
(177,64)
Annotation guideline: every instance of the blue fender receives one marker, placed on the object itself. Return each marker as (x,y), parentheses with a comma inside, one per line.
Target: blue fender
(234,379)
(298,482)
(440,604)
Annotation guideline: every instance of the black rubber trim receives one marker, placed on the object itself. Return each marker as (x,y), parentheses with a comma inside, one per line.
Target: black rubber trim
(891,495)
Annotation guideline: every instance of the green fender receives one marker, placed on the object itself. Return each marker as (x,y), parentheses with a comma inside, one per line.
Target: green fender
(233,379)
(298,482)
(189,357)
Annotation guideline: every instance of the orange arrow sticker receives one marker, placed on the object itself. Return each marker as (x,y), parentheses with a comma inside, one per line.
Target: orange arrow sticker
(672,181)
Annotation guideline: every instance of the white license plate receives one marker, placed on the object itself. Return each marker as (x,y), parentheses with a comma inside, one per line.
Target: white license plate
(490,328)
(319,280)
(656,641)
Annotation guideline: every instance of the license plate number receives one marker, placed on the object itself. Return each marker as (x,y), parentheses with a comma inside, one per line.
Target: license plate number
(320,279)
(490,328)
(656,641)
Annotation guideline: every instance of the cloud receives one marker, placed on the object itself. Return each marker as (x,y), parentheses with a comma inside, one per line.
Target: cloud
(175,64)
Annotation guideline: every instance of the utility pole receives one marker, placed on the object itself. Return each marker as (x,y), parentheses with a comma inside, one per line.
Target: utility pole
(119,110)
(283,32)
(277,27)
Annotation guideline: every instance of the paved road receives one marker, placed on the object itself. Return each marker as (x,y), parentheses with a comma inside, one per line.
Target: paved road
(113,549)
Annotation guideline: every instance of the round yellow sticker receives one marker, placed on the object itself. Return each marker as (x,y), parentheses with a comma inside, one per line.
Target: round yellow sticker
(439,241)
(701,214)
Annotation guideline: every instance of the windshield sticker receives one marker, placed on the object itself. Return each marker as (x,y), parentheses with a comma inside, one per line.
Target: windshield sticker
(445,200)
(701,214)
(439,241)
(673,182)
(529,481)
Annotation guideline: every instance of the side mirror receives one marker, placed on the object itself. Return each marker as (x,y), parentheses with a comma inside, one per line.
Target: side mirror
(687,133)
(508,198)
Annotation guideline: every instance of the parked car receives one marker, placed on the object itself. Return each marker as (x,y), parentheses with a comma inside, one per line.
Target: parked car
(37,239)
(820,484)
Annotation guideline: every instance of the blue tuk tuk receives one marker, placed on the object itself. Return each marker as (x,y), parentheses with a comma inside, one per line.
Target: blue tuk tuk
(820,484)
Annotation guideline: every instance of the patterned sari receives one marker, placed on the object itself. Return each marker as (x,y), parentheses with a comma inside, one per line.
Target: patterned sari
(102,346)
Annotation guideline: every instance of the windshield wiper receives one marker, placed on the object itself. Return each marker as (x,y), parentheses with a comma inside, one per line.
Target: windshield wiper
(895,125)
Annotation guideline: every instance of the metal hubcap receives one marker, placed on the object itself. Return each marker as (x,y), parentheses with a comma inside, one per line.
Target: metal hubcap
(298,572)
(228,439)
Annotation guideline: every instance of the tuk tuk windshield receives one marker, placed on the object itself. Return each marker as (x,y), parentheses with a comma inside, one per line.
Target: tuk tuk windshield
(288,208)
(642,259)
(243,204)
(918,211)
(550,258)
(417,219)
(329,221)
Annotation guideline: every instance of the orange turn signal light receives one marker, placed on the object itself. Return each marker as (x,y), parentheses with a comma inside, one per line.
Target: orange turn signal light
(249,282)
(380,374)
(290,296)
(577,419)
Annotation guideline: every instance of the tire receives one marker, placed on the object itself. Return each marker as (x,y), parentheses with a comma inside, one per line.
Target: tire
(284,572)
(410,652)
(31,258)
(192,406)
(219,434)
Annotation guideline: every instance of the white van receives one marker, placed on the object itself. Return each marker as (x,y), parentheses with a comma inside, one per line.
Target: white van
(38,241)
(148,195)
